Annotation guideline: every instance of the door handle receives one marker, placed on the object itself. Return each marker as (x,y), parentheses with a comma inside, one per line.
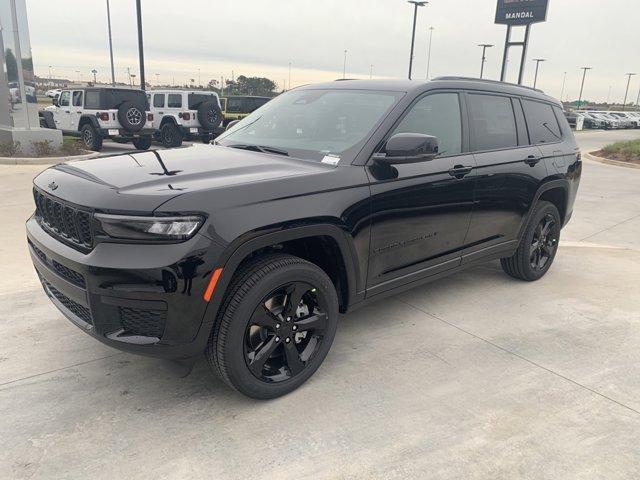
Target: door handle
(459,171)
(67,111)
(532,160)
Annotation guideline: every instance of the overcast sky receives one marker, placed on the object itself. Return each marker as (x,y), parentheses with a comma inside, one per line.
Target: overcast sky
(261,37)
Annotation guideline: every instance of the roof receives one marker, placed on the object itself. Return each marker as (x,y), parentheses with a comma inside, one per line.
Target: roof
(416,86)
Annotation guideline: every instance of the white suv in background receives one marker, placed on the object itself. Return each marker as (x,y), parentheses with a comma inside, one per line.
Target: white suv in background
(183,114)
(96,113)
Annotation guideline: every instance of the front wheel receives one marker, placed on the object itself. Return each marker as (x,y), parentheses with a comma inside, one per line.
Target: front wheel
(275,327)
(538,246)
(142,143)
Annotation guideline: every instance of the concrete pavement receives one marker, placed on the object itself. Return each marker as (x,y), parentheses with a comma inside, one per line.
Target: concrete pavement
(476,376)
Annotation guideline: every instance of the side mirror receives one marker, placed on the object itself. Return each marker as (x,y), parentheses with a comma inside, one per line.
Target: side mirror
(55,101)
(231,124)
(409,148)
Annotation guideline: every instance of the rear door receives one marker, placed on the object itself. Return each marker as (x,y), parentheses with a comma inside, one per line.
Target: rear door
(421,211)
(158,108)
(509,170)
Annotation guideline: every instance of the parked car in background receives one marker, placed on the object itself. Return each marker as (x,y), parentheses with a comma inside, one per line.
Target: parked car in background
(236,107)
(94,114)
(628,120)
(605,122)
(590,121)
(54,92)
(183,114)
(330,196)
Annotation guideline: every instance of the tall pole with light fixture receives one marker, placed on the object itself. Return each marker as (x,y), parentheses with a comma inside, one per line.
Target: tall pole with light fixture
(344,66)
(416,4)
(535,78)
(429,52)
(584,75)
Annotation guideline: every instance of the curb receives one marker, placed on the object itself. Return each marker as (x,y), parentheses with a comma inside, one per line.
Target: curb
(44,160)
(591,156)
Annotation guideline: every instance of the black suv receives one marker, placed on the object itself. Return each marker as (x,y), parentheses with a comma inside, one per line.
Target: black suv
(326,198)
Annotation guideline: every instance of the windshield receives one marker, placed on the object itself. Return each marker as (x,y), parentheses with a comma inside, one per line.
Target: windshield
(310,124)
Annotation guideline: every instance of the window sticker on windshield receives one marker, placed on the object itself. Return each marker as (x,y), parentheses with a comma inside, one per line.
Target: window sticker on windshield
(331,160)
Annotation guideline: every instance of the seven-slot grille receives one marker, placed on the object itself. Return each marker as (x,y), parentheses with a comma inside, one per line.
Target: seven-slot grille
(69,223)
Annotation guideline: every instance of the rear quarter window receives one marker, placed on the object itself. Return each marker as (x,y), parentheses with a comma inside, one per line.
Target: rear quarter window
(542,123)
(92,100)
(115,98)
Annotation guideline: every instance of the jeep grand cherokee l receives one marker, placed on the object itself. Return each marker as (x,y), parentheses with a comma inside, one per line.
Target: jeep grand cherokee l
(327,197)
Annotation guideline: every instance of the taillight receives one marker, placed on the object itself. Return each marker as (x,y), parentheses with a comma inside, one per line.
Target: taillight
(185,115)
(150,117)
(104,116)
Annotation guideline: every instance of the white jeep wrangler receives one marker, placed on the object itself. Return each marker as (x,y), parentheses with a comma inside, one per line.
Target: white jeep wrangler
(121,114)
(183,114)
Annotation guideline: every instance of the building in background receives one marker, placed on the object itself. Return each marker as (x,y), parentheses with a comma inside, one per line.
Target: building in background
(18,103)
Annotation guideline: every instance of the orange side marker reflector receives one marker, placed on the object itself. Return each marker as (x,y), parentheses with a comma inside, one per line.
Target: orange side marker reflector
(212,284)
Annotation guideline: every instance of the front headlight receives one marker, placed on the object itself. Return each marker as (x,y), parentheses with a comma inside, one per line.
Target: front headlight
(150,228)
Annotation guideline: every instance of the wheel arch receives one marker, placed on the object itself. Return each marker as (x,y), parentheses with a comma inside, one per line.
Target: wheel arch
(555,191)
(325,245)
(90,119)
(168,119)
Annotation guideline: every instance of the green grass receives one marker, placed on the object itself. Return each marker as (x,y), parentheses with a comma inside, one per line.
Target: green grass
(624,151)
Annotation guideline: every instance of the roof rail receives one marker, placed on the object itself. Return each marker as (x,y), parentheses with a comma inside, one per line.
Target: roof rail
(488,81)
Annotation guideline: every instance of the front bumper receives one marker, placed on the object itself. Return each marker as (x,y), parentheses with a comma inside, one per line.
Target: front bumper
(144,299)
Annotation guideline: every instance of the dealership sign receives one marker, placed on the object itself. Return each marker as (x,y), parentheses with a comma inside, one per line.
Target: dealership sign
(521,12)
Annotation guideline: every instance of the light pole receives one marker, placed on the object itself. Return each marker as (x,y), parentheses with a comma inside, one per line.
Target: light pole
(199,79)
(289,75)
(624,104)
(584,74)
(429,51)
(564,81)
(94,71)
(370,71)
(344,66)
(416,4)
(535,78)
(140,46)
(49,74)
(132,79)
(157,79)
(484,56)
(113,74)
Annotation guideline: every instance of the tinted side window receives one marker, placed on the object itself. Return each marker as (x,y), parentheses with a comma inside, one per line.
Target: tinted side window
(234,105)
(64,98)
(174,100)
(158,100)
(493,123)
(437,115)
(77,98)
(541,122)
(92,100)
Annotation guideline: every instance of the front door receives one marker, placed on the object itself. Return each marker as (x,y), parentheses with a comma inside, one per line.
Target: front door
(63,111)
(421,211)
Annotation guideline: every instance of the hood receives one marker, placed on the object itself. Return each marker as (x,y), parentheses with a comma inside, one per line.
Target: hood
(143,181)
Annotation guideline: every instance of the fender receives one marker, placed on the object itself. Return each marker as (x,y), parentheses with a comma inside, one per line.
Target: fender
(239,249)
(168,118)
(546,186)
(91,118)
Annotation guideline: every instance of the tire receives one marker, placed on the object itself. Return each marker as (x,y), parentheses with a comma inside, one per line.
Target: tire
(142,143)
(254,286)
(170,135)
(132,116)
(524,264)
(91,137)
(209,115)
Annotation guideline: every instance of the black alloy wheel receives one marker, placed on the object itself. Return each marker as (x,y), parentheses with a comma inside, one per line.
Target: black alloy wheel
(543,243)
(274,327)
(285,332)
(538,245)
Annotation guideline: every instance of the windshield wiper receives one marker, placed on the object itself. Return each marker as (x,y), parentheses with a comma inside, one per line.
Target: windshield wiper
(260,148)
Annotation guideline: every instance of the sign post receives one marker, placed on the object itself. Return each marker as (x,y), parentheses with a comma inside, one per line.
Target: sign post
(519,13)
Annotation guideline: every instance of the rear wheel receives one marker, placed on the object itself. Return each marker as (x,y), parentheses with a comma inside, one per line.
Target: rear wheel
(91,138)
(275,326)
(142,143)
(170,135)
(538,246)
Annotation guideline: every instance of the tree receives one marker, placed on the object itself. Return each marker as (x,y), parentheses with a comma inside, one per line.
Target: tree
(213,84)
